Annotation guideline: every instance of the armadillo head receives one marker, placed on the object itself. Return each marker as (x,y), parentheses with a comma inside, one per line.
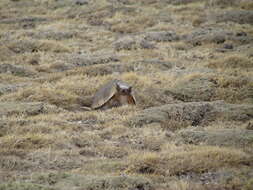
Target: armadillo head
(123,89)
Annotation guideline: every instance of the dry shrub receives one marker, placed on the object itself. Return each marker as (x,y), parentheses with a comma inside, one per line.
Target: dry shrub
(181,2)
(152,143)
(152,138)
(205,158)
(83,85)
(27,142)
(235,83)
(234,61)
(6,53)
(181,46)
(146,163)
(246,4)
(197,21)
(184,185)
(144,89)
(125,24)
(53,46)
(46,93)
(198,159)
(234,88)
(221,3)
(23,185)
(28,45)
(232,81)
(80,85)
(174,124)
(110,151)
(86,140)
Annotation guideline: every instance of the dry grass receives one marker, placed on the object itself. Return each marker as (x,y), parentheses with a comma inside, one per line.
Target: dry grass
(59,53)
(234,61)
(195,159)
(27,142)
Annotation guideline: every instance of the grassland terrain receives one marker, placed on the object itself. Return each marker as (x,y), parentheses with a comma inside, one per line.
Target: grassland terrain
(190,63)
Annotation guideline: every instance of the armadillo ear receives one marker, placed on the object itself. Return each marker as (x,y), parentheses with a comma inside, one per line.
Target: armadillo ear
(117,87)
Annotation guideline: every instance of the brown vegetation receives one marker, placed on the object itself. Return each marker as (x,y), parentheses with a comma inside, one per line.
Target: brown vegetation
(189,62)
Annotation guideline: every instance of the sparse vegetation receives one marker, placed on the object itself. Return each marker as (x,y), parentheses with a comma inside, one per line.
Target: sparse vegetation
(190,63)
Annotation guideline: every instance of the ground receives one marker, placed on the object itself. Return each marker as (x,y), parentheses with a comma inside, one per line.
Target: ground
(190,63)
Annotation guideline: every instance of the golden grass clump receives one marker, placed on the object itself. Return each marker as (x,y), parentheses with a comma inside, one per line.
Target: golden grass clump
(122,24)
(234,88)
(26,142)
(110,151)
(198,160)
(174,125)
(46,93)
(234,61)
(146,163)
(55,55)
(221,3)
(246,4)
(29,45)
(205,158)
